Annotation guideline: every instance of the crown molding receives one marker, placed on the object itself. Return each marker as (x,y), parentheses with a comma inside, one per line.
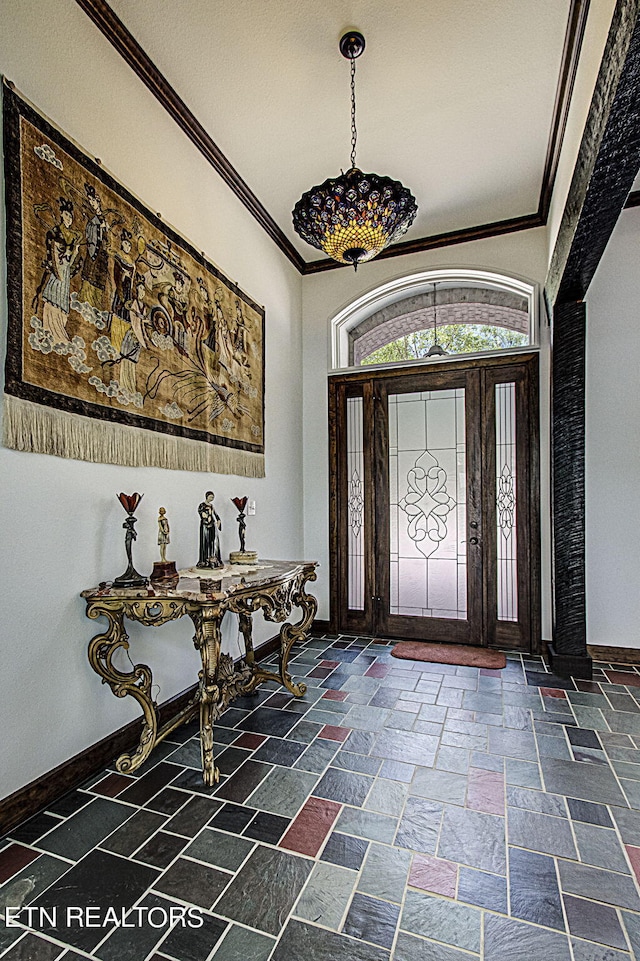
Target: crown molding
(441,240)
(574,36)
(132,53)
(130,50)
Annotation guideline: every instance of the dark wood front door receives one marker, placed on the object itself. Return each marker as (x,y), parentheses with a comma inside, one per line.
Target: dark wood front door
(434,508)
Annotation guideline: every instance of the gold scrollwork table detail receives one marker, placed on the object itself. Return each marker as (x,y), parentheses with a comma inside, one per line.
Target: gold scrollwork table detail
(275,592)
(136,682)
(276,604)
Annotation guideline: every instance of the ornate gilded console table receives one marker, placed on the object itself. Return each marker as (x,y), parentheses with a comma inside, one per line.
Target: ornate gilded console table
(275,589)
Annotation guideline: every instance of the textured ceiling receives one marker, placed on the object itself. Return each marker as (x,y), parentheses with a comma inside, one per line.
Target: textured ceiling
(454,98)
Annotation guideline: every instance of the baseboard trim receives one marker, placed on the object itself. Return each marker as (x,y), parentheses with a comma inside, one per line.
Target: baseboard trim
(570,665)
(269,647)
(321,627)
(39,794)
(614,655)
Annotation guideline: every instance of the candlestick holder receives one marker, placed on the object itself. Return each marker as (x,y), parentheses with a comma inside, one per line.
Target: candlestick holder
(130,578)
(243,556)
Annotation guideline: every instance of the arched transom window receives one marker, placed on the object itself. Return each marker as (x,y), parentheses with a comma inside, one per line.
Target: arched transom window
(460,319)
(461,311)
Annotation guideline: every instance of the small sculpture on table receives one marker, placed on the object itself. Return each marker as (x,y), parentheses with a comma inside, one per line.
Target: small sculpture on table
(164,571)
(243,556)
(130,578)
(163,533)
(210,527)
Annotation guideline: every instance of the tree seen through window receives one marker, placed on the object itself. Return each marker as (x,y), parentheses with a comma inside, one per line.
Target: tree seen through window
(454,338)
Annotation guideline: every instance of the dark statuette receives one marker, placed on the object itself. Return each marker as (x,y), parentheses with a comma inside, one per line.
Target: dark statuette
(243,556)
(210,527)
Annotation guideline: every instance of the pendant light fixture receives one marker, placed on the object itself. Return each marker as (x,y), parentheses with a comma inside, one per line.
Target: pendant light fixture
(436,349)
(353,217)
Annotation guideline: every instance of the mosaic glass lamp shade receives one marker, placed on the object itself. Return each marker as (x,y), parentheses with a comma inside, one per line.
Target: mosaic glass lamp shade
(353,217)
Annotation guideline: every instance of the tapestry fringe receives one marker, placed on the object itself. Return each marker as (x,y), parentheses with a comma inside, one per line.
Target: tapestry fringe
(45,430)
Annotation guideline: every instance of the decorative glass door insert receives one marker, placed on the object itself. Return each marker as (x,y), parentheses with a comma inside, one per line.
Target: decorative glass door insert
(506,528)
(427,502)
(434,509)
(426,459)
(355,475)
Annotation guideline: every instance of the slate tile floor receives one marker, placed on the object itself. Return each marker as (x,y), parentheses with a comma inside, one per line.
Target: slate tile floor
(401,811)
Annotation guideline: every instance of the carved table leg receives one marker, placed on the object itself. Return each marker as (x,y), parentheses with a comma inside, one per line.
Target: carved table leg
(136,683)
(246,627)
(207,640)
(244,621)
(290,633)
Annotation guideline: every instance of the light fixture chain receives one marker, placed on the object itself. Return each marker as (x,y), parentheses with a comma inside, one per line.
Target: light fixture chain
(355,216)
(354,132)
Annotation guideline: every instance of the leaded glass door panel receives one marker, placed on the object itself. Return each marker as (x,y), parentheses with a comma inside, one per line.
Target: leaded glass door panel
(510,506)
(428,458)
(434,508)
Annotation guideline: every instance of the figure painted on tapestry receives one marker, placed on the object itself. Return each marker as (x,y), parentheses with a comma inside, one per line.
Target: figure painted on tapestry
(95,267)
(240,340)
(204,328)
(163,533)
(172,297)
(122,337)
(210,527)
(223,334)
(123,271)
(137,310)
(60,265)
(135,337)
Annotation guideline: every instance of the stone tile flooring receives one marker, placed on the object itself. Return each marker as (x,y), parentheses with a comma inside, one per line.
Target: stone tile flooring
(401,811)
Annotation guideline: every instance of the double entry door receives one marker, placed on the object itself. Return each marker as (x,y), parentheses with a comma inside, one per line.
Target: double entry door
(435,502)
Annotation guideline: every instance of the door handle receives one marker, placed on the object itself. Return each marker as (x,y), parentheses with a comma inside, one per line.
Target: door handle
(473,540)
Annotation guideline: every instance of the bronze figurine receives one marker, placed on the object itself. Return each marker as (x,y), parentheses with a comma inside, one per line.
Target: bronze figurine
(210,527)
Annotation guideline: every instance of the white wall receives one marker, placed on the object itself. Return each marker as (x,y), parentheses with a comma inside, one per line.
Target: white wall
(324,295)
(60,520)
(613,441)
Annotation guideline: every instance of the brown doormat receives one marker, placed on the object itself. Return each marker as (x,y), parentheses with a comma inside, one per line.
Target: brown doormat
(450,654)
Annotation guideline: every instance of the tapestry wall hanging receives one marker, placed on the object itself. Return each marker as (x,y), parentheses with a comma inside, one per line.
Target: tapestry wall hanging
(124,345)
